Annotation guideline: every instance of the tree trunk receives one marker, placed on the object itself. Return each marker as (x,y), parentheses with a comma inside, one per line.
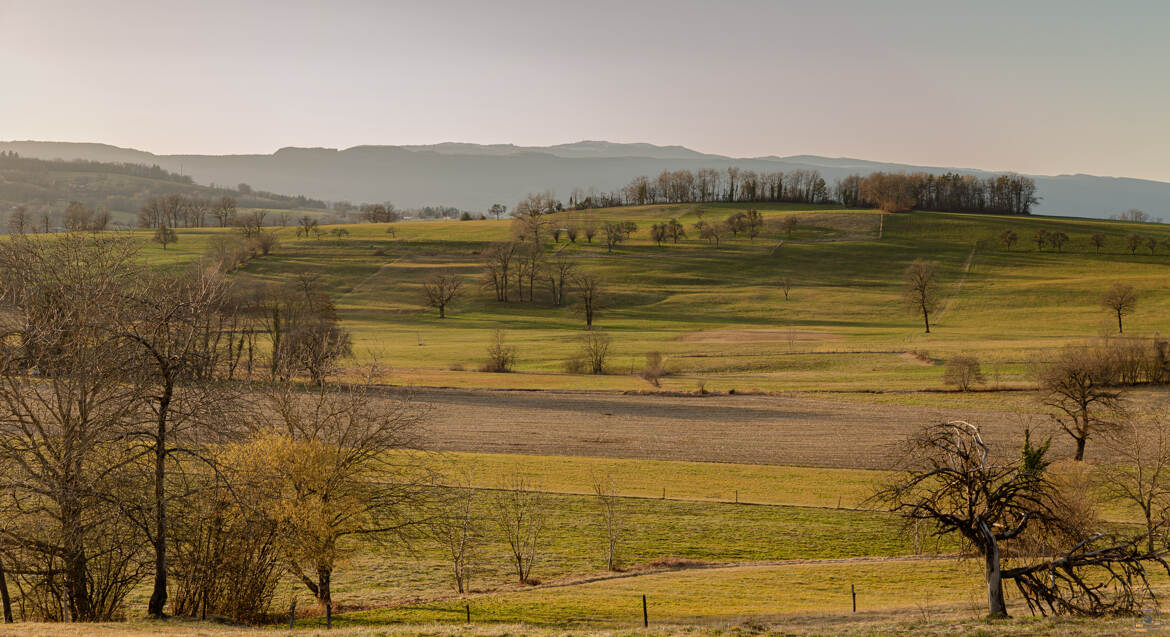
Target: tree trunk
(158,597)
(926,319)
(1080,449)
(441,313)
(996,607)
(1119,330)
(324,592)
(5,600)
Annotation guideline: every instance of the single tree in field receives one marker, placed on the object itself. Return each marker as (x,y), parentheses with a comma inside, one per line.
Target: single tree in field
(165,236)
(1142,474)
(440,290)
(519,510)
(595,350)
(963,372)
(1133,241)
(920,290)
(609,505)
(950,482)
(1121,298)
(305,226)
(658,232)
(497,210)
(736,223)
(589,228)
(786,286)
(588,290)
(788,224)
(1058,239)
(1008,238)
(501,356)
(1040,238)
(1076,386)
(709,231)
(753,223)
(615,233)
(1151,244)
(18,220)
(676,230)
(339,233)
(559,271)
(1097,241)
(458,529)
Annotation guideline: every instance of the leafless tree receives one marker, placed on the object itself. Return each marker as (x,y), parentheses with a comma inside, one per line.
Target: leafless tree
(501,356)
(1008,238)
(1142,474)
(675,230)
(18,220)
(788,224)
(1121,298)
(1057,240)
(1133,241)
(519,510)
(1076,390)
(595,350)
(615,233)
(951,482)
(588,290)
(559,270)
(165,236)
(786,286)
(654,369)
(1097,240)
(224,211)
(500,258)
(609,505)
(963,372)
(440,290)
(457,527)
(921,289)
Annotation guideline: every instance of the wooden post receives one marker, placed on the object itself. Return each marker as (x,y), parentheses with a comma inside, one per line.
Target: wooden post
(737,496)
(645,614)
(292,614)
(468,607)
(329,615)
(853,592)
(663,493)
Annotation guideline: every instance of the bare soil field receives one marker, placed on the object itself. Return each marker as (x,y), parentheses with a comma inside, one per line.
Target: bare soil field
(792,429)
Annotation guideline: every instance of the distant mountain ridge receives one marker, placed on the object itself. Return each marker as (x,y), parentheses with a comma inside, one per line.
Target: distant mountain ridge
(474,176)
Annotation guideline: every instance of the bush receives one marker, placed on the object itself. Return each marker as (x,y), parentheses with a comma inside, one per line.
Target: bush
(575,365)
(595,351)
(654,370)
(963,372)
(501,356)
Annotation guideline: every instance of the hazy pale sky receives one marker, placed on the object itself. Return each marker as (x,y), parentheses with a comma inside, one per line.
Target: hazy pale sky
(1034,86)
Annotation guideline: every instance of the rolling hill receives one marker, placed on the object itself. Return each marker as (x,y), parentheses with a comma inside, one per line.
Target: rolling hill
(473,176)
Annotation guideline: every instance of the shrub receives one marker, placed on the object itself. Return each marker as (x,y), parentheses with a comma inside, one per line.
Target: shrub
(595,350)
(963,372)
(575,365)
(501,356)
(654,370)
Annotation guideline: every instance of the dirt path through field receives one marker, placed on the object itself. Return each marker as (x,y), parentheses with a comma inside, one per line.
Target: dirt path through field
(796,429)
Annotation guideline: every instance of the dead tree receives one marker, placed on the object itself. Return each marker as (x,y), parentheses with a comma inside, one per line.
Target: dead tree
(1077,390)
(951,482)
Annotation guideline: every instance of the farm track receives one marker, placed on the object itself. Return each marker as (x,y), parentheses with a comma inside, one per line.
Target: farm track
(794,429)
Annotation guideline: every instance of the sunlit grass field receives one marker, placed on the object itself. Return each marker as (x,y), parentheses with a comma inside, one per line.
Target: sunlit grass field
(717,313)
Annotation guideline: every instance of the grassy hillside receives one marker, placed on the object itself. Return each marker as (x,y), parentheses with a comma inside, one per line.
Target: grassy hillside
(718,314)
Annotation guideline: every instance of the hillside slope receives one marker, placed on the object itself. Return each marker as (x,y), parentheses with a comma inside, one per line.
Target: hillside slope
(472,176)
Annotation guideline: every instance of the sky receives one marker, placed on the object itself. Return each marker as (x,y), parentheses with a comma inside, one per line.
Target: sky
(1034,86)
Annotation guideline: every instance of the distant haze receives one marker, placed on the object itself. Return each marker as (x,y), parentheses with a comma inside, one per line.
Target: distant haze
(474,177)
(1044,86)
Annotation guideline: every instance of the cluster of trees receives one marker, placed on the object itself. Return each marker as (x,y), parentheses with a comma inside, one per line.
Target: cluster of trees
(949,192)
(891,192)
(1043,238)
(126,448)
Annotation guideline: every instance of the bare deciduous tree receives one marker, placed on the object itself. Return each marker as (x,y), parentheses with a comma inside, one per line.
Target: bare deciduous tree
(963,372)
(1142,474)
(440,290)
(595,350)
(1121,298)
(1008,238)
(501,357)
(588,290)
(921,289)
(519,510)
(1076,389)
(609,505)
(458,529)
(1097,240)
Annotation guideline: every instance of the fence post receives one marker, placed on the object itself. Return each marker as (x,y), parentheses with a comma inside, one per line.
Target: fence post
(645,614)
(468,607)
(292,614)
(329,615)
(853,592)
